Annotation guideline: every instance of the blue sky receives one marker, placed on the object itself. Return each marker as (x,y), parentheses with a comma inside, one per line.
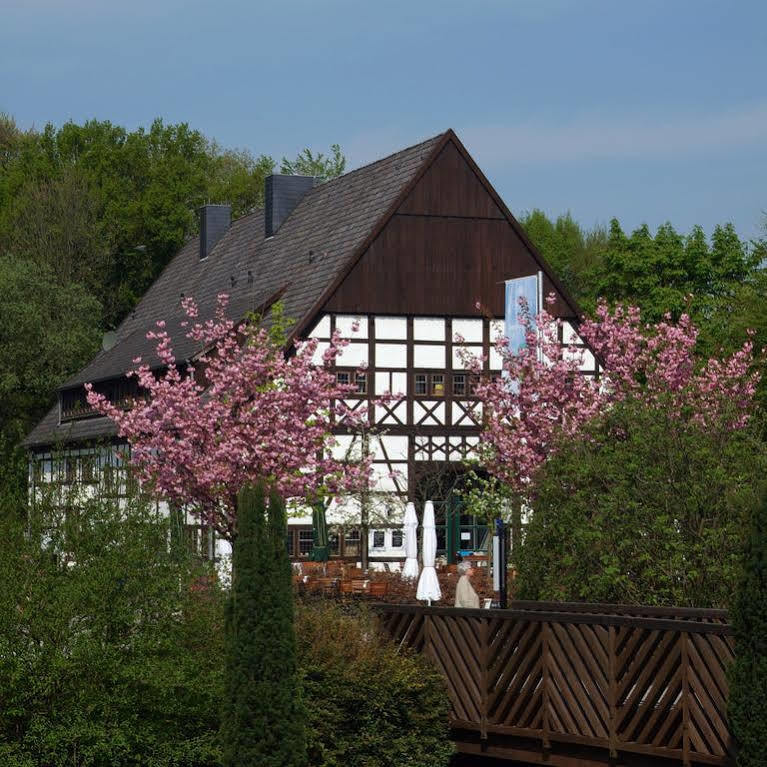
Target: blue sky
(648,111)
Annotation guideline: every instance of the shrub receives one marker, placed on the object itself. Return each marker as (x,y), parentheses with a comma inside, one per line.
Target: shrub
(112,648)
(748,677)
(368,704)
(642,510)
(109,656)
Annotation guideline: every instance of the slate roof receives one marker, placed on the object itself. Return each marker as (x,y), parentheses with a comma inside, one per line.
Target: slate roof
(332,222)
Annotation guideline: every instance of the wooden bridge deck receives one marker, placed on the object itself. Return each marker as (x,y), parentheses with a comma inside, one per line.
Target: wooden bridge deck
(578,685)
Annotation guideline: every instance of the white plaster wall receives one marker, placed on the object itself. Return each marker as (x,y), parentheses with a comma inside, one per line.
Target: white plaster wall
(322,347)
(394,328)
(390,381)
(474,351)
(353,355)
(429,329)
(322,328)
(345,324)
(391,355)
(393,446)
(429,356)
(469,330)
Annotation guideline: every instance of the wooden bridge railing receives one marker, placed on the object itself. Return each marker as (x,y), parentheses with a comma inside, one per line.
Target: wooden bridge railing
(580,684)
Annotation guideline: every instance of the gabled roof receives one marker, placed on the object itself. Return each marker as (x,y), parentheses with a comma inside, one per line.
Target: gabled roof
(303,264)
(311,249)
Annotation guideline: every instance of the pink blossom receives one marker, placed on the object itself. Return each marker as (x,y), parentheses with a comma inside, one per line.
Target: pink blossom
(543,394)
(245,412)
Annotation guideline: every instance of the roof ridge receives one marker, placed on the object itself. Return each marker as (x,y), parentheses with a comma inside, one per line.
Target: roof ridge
(380,160)
(332,181)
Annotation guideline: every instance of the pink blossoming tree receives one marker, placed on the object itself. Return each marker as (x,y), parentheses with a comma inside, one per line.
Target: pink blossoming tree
(244,413)
(542,395)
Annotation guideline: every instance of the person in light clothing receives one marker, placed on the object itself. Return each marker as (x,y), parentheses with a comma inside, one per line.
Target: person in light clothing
(465,596)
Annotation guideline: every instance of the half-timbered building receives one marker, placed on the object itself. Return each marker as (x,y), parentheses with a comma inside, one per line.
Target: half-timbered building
(402,256)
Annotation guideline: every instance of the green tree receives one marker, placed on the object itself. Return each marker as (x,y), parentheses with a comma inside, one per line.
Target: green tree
(573,253)
(113,206)
(747,703)
(665,272)
(237,177)
(643,510)
(47,330)
(111,646)
(319,165)
(672,273)
(114,654)
(263,716)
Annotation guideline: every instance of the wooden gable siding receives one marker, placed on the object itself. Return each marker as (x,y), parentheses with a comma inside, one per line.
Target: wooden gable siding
(449,187)
(447,246)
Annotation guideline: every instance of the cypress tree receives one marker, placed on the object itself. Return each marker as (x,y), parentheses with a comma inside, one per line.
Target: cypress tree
(748,676)
(263,718)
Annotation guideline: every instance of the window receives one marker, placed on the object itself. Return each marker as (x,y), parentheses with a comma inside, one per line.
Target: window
(396,538)
(71,520)
(89,469)
(459,384)
(334,542)
(197,539)
(110,478)
(343,378)
(131,483)
(362,383)
(420,384)
(70,471)
(289,543)
(352,542)
(305,542)
(437,385)
(378,539)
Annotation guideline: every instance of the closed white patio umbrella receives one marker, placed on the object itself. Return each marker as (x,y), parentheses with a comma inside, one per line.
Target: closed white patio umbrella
(410,570)
(428,584)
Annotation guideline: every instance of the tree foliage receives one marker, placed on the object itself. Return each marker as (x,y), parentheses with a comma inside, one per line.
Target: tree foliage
(89,215)
(369,704)
(114,654)
(318,165)
(47,329)
(747,703)
(667,272)
(642,509)
(263,720)
(264,416)
(574,253)
(110,207)
(111,653)
(543,397)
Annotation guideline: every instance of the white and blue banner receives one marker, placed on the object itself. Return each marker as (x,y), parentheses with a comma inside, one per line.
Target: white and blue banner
(530,289)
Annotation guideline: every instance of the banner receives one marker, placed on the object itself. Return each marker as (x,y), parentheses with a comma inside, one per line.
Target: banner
(530,289)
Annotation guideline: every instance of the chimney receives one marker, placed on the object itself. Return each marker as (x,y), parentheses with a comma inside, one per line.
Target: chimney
(214,221)
(282,194)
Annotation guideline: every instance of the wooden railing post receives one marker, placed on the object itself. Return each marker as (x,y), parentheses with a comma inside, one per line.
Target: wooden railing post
(545,665)
(484,659)
(612,690)
(684,638)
